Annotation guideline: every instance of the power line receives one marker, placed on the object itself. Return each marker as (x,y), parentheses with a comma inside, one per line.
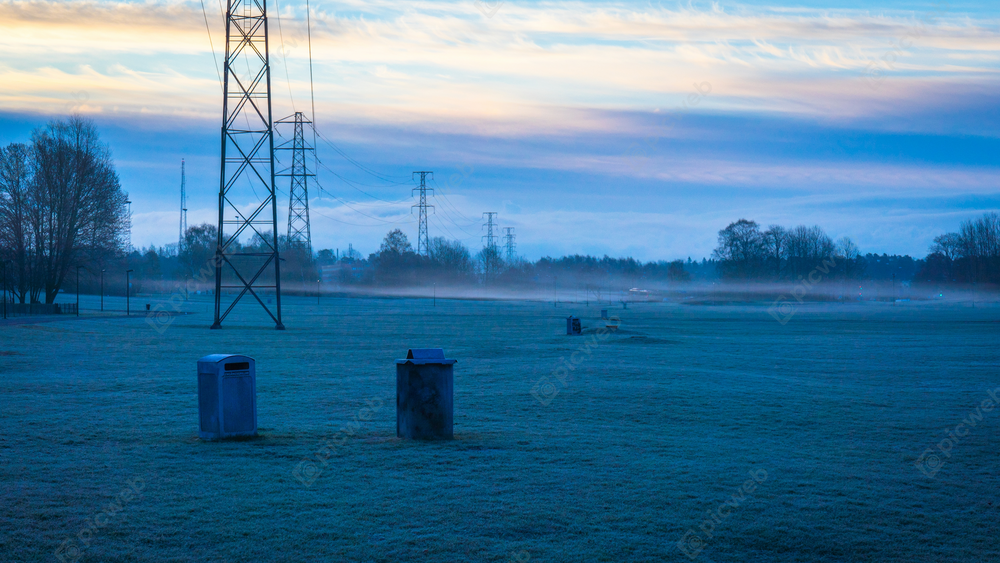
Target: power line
(210,43)
(356,211)
(284,56)
(312,90)
(352,161)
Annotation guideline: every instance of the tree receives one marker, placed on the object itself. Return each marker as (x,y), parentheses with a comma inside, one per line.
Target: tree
(807,248)
(77,209)
(740,250)
(395,262)
(980,247)
(774,240)
(850,254)
(676,273)
(948,245)
(197,256)
(490,262)
(451,258)
(15,229)
(396,242)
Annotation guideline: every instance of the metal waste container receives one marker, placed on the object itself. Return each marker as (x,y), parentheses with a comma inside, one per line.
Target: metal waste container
(227,396)
(425,389)
(573,325)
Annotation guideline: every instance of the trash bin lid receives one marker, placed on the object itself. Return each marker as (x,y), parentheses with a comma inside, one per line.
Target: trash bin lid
(216,358)
(419,356)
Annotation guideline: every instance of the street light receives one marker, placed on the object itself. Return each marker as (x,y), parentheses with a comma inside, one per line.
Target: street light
(4,289)
(102,290)
(128,294)
(78,290)
(129,202)
(317,290)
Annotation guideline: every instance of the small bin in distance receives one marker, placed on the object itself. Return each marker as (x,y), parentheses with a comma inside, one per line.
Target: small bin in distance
(425,389)
(227,397)
(573,326)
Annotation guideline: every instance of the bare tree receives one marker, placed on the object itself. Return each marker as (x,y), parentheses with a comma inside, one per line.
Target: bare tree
(775,240)
(980,246)
(15,229)
(740,250)
(948,245)
(77,207)
(807,248)
(850,254)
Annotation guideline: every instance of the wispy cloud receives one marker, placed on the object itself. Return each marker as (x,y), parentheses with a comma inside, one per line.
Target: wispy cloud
(443,63)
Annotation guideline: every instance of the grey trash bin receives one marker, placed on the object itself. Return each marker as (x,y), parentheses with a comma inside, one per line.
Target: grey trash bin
(227,396)
(425,388)
(573,325)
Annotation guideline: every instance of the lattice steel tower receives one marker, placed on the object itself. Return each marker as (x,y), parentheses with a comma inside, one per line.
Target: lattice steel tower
(490,252)
(299,232)
(184,211)
(491,239)
(247,205)
(423,239)
(509,244)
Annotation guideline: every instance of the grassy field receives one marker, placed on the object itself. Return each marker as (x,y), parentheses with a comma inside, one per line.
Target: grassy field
(710,432)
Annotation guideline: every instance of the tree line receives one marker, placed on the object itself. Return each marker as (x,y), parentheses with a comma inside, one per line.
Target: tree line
(62,209)
(61,206)
(972,255)
(746,252)
(449,261)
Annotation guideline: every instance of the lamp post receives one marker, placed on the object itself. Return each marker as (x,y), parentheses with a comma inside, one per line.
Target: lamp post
(102,290)
(128,294)
(78,290)
(317,290)
(435,294)
(4,289)
(129,202)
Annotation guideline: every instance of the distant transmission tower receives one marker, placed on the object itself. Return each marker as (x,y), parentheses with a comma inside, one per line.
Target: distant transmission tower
(299,232)
(184,210)
(491,239)
(509,244)
(490,254)
(423,239)
(247,205)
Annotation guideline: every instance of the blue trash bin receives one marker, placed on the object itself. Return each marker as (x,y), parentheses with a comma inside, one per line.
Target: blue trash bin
(425,389)
(227,396)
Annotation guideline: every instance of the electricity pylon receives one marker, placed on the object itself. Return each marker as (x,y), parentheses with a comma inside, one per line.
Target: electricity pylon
(490,252)
(184,211)
(299,231)
(423,238)
(509,244)
(491,239)
(247,205)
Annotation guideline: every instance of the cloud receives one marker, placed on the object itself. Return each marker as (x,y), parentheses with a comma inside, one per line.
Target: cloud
(528,69)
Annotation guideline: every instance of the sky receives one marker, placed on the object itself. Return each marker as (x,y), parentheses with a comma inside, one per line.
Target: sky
(623,128)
